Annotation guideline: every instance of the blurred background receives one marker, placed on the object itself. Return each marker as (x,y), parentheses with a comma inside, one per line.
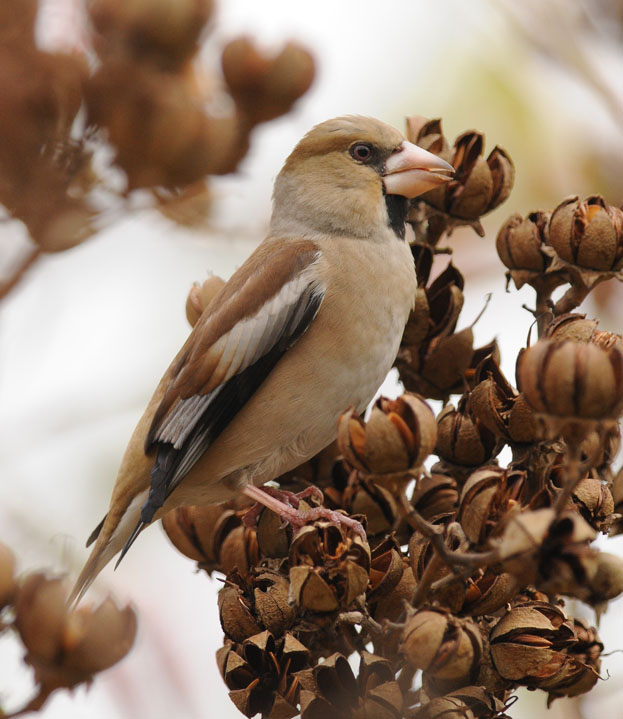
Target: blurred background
(87,333)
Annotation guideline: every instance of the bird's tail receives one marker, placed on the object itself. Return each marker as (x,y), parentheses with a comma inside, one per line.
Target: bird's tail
(114,533)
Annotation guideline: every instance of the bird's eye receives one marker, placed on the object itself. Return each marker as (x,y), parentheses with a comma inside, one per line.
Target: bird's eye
(361,152)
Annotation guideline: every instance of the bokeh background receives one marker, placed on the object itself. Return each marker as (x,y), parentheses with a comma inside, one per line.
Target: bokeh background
(87,333)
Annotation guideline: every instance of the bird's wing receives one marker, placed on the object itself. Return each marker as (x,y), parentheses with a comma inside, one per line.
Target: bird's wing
(261,312)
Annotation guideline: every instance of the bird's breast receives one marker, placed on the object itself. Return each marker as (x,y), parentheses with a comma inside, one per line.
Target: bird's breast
(340,361)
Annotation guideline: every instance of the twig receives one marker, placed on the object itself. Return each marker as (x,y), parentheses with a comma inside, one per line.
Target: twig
(572,298)
(19,272)
(365,620)
(436,536)
(574,475)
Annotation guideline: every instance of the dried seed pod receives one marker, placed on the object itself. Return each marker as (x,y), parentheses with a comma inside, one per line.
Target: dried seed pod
(8,585)
(199,532)
(461,439)
(239,549)
(391,606)
(200,297)
(66,647)
(487,496)
(553,552)
(438,305)
(528,643)
(617,497)
(588,233)
(41,614)
(435,495)
(365,496)
(273,536)
(432,358)
(571,326)
(603,581)
(421,554)
(479,186)
(248,605)
(524,538)
(520,241)
(260,674)
(331,689)
(498,406)
(265,87)
(235,611)
(397,437)
(594,501)
(489,593)
(571,380)
(429,135)
(165,33)
(17,22)
(443,646)
(159,128)
(581,672)
(474,702)
(386,568)
(328,567)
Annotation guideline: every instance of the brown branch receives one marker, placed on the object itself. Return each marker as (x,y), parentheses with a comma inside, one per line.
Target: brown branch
(436,536)
(19,272)
(573,476)
(572,298)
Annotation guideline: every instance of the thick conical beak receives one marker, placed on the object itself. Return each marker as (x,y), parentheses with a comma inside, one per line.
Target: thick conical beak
(410,171)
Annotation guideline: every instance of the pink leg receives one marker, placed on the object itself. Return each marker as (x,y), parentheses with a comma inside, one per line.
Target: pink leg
(298,517)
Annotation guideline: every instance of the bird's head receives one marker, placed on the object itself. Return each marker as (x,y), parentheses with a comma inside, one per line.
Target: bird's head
(353,176)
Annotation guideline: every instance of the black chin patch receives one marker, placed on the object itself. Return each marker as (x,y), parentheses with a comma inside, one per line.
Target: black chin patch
(397,209)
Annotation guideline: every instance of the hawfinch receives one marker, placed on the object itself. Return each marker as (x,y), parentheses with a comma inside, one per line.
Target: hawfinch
(308,326)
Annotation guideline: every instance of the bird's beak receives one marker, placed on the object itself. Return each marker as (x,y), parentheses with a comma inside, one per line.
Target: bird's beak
(410,171)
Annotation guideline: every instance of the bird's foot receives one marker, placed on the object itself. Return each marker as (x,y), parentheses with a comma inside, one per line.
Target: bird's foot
(286,505)
(283,496)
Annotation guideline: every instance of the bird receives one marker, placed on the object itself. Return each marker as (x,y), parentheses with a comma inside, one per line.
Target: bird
(307,326)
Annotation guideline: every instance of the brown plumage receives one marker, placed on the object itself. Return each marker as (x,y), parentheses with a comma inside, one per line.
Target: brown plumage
(309,325)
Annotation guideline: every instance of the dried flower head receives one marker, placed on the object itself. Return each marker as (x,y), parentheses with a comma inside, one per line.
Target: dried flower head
(520,241)
(488,495)
(435,495)
(480,185)
(463,440)
(329,567)
(67,647)
(528,645)
(199,532)
(260,674)
(265,87)
(572,380)
(331,689)
(499,407)
(254,602)
(588,233)
(443,646)
(165,34)
(397,437)
(472,702)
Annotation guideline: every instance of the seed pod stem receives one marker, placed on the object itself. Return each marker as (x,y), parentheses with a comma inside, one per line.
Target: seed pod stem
(436,536)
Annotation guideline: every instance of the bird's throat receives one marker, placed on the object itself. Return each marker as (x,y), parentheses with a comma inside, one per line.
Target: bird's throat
(397,209)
